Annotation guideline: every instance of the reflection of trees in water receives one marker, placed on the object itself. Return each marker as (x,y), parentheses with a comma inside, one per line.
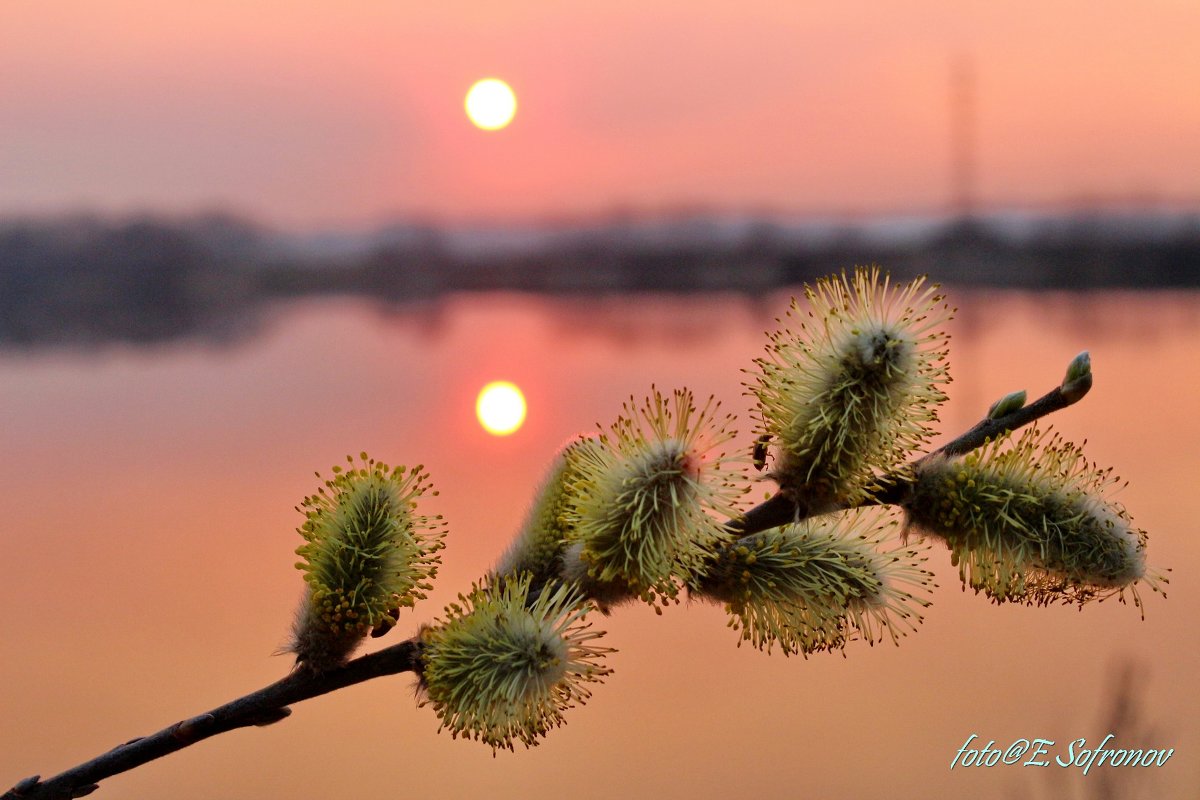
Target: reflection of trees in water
(1089,316)
(1125,715)
(644,318)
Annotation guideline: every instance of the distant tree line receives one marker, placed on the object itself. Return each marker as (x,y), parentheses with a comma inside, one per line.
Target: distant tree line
(86,280)
(82,280)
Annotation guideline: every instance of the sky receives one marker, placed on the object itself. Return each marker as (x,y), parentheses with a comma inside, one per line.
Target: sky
(307,113)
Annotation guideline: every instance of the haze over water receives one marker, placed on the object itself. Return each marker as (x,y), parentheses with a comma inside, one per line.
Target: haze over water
(149,528)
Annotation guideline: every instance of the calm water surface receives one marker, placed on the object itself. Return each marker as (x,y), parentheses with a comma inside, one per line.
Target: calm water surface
(149,525)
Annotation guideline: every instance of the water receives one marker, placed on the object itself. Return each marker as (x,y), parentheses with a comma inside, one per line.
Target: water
(149,527)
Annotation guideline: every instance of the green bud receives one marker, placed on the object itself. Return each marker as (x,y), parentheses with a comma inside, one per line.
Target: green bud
(1007,404)
(1078,379)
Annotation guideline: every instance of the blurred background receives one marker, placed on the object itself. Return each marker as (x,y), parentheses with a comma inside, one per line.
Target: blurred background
(240,240)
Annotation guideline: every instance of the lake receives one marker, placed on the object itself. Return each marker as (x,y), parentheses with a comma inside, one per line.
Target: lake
(149,528)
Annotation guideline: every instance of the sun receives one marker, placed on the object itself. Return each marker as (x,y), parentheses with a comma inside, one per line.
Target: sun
(500,408)
(491,104)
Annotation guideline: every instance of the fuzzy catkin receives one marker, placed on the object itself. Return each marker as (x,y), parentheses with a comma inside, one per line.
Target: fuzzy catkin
(503,667)
(367,553)
(848,387)
(1026,520)
(640,516)
(538,547)
(817,585)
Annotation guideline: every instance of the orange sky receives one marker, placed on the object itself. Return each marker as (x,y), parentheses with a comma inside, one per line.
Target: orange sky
(307,112)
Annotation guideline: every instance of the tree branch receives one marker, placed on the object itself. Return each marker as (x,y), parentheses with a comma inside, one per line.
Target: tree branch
(987,428)
(267,705)
(270,704)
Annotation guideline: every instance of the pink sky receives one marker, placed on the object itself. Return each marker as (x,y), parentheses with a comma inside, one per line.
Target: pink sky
(306,113)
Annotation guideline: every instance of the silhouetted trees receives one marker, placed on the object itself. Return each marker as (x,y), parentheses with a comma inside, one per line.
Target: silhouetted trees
(83,280)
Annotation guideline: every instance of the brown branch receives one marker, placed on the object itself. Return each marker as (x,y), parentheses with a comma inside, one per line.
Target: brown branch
(778,509)
(986,429)
(267,705)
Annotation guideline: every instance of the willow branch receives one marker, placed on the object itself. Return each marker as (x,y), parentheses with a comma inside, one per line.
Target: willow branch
(783,508)
(271,703)
(263,707)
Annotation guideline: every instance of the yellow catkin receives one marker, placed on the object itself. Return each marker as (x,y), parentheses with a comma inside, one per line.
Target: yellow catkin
(1027,520)
(849,384)
(366,554)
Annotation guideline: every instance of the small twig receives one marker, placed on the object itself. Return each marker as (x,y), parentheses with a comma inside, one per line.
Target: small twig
(987,429)
(264,707)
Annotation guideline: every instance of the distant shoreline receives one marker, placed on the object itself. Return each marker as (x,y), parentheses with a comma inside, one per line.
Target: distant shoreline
(84,280)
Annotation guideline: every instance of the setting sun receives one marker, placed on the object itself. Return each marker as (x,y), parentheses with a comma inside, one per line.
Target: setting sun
(491,104)
(500,408)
